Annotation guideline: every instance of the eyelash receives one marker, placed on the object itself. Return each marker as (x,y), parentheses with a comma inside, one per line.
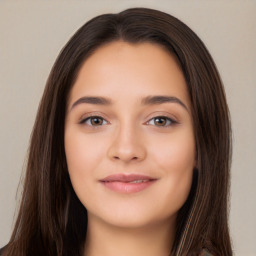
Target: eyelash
(168,119)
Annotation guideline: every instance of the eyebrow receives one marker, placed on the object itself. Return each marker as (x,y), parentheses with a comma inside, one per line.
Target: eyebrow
(149,100)
(155,100)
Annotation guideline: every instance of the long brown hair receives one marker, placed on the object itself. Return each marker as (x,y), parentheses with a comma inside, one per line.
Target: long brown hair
(51,219)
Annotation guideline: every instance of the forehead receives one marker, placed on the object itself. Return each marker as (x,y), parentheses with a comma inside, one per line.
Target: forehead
(124,69)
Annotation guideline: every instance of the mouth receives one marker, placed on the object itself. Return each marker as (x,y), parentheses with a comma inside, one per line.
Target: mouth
(131,183)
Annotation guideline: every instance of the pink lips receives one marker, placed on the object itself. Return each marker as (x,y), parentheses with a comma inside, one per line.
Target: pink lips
(127,183)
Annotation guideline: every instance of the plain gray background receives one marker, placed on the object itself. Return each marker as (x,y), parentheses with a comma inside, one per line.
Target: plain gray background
(32,34)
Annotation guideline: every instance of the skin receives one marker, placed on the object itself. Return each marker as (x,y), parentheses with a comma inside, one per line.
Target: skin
(128,138)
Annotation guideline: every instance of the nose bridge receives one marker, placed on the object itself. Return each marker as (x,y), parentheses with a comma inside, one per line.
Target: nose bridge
(127,143)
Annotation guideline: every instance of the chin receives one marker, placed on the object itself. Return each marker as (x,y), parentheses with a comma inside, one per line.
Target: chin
(131,219)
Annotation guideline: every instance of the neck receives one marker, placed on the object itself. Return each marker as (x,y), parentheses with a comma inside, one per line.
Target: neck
(108,240)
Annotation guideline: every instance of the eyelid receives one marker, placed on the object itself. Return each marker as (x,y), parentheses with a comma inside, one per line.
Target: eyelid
(169,115)
(172,120)
(88,116)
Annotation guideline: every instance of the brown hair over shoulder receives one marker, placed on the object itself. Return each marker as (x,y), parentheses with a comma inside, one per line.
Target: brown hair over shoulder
(51,219)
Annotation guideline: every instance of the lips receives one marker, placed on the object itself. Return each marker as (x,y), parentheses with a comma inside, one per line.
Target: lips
(127,183)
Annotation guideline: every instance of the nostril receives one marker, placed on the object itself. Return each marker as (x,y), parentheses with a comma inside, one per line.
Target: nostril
(132,158)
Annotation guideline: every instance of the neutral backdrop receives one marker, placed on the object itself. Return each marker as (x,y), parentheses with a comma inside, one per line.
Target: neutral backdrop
(32,34)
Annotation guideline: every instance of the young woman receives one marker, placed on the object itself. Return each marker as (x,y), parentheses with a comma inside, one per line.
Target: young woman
(130,151)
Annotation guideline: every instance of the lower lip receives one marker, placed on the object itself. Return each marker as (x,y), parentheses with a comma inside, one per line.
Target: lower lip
(126,187)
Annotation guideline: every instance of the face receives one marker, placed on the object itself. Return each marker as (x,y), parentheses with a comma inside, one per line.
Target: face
(129,138)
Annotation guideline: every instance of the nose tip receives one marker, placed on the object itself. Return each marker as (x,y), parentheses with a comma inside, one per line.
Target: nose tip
(127,147)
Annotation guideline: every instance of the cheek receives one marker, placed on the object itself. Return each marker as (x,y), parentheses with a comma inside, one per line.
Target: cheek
(175,153)
(83,156)
(176,160)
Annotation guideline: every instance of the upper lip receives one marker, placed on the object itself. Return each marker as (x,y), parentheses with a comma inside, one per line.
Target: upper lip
(126,177)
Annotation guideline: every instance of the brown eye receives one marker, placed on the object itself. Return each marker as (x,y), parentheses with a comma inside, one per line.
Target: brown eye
(93,121)
(162,121)
(96,121)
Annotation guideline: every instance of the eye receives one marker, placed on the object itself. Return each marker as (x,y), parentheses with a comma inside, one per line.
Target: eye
(94,121)
(161,121)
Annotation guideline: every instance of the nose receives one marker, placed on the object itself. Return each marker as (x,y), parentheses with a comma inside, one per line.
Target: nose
(127,145)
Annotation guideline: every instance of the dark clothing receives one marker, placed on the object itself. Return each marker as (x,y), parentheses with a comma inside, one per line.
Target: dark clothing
(1,250)
(203,253)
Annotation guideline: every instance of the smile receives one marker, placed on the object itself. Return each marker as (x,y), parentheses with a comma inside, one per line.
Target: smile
(127,183)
